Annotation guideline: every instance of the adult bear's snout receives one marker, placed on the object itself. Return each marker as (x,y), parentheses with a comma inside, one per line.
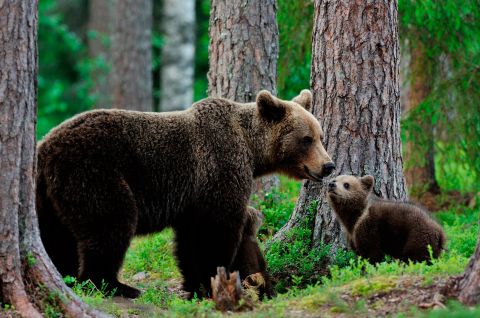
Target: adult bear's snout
(328,169)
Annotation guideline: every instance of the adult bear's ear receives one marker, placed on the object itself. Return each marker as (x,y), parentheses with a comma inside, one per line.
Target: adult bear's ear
(304,99)
(269,106)
(367,182)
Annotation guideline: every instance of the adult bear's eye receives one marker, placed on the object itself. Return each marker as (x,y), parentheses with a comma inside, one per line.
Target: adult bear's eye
(346,185)
(307,140)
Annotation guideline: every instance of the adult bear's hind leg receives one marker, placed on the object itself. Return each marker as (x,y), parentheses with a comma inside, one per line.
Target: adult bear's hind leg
(204,247)
(103,219)
(101,257)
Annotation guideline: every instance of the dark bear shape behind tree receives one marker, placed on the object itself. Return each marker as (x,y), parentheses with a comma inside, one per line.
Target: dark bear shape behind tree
(107,175)
(377,227)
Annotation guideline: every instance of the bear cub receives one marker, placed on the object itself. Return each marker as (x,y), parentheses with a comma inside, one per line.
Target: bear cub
(249,260)
(377,227)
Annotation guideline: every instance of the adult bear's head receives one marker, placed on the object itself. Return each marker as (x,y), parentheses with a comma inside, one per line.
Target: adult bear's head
(295,136)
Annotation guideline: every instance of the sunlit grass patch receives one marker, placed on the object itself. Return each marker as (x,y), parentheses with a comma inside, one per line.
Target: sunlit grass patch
(152,254)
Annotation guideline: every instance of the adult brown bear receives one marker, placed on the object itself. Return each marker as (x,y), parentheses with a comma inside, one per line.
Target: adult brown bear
(105,176)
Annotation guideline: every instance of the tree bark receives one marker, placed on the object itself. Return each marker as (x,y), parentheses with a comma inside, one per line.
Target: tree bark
(354,79)
(467,286)
(243,54)
(178,55)
(132,55)
(100,28)
(28,279)
(419,155)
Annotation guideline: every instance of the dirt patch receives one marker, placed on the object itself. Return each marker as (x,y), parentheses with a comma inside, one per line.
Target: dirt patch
(409,291)
(372,297)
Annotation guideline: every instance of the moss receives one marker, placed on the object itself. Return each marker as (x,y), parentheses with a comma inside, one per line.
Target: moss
(367,287)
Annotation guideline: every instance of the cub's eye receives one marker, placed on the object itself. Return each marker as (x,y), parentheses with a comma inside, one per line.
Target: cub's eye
(307,140)
(346,185)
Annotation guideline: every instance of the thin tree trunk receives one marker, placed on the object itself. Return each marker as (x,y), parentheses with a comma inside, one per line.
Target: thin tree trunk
(100,28)
(132,55)
(354,78)
(28,279)
(419,155)
(178,54)
(243,54)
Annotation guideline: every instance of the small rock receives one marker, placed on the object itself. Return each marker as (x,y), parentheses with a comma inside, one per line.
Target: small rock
(139,276)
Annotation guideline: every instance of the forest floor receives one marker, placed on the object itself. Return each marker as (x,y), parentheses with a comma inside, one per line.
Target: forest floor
(353,288)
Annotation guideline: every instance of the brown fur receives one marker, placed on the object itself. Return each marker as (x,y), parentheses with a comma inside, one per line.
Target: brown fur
(107,175)
(249,259)
(377,227)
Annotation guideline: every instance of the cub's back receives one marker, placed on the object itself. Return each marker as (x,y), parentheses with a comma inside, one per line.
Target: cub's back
(400,215)
(403,219)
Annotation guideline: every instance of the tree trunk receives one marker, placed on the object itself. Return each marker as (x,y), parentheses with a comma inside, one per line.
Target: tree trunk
(132,55)
(354,78)
(28,279)
(419,155)
(243,54)
(178,54)
(467,286)
(100,28)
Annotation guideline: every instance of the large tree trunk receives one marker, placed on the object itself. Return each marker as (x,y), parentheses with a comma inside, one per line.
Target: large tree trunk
(28,279)
(419,155)
(243,53)
(100,28)
(132,55)
(178,54)
(354,78)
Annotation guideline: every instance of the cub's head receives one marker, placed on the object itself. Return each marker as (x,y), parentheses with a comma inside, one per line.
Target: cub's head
(295,136)
(350,191)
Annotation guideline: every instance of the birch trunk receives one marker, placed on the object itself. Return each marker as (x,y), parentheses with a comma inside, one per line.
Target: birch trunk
(178,55)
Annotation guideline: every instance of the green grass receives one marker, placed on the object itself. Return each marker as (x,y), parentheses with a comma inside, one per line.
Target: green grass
(277,206)
(308,293)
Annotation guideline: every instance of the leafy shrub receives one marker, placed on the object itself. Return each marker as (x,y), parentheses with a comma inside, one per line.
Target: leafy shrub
(296,261)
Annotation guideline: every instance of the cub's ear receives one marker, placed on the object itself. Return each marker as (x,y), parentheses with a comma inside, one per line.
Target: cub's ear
(304,99)
(367,182)
(269,106)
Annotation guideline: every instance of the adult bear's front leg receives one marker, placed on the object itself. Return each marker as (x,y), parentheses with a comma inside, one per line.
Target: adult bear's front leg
(205,243)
